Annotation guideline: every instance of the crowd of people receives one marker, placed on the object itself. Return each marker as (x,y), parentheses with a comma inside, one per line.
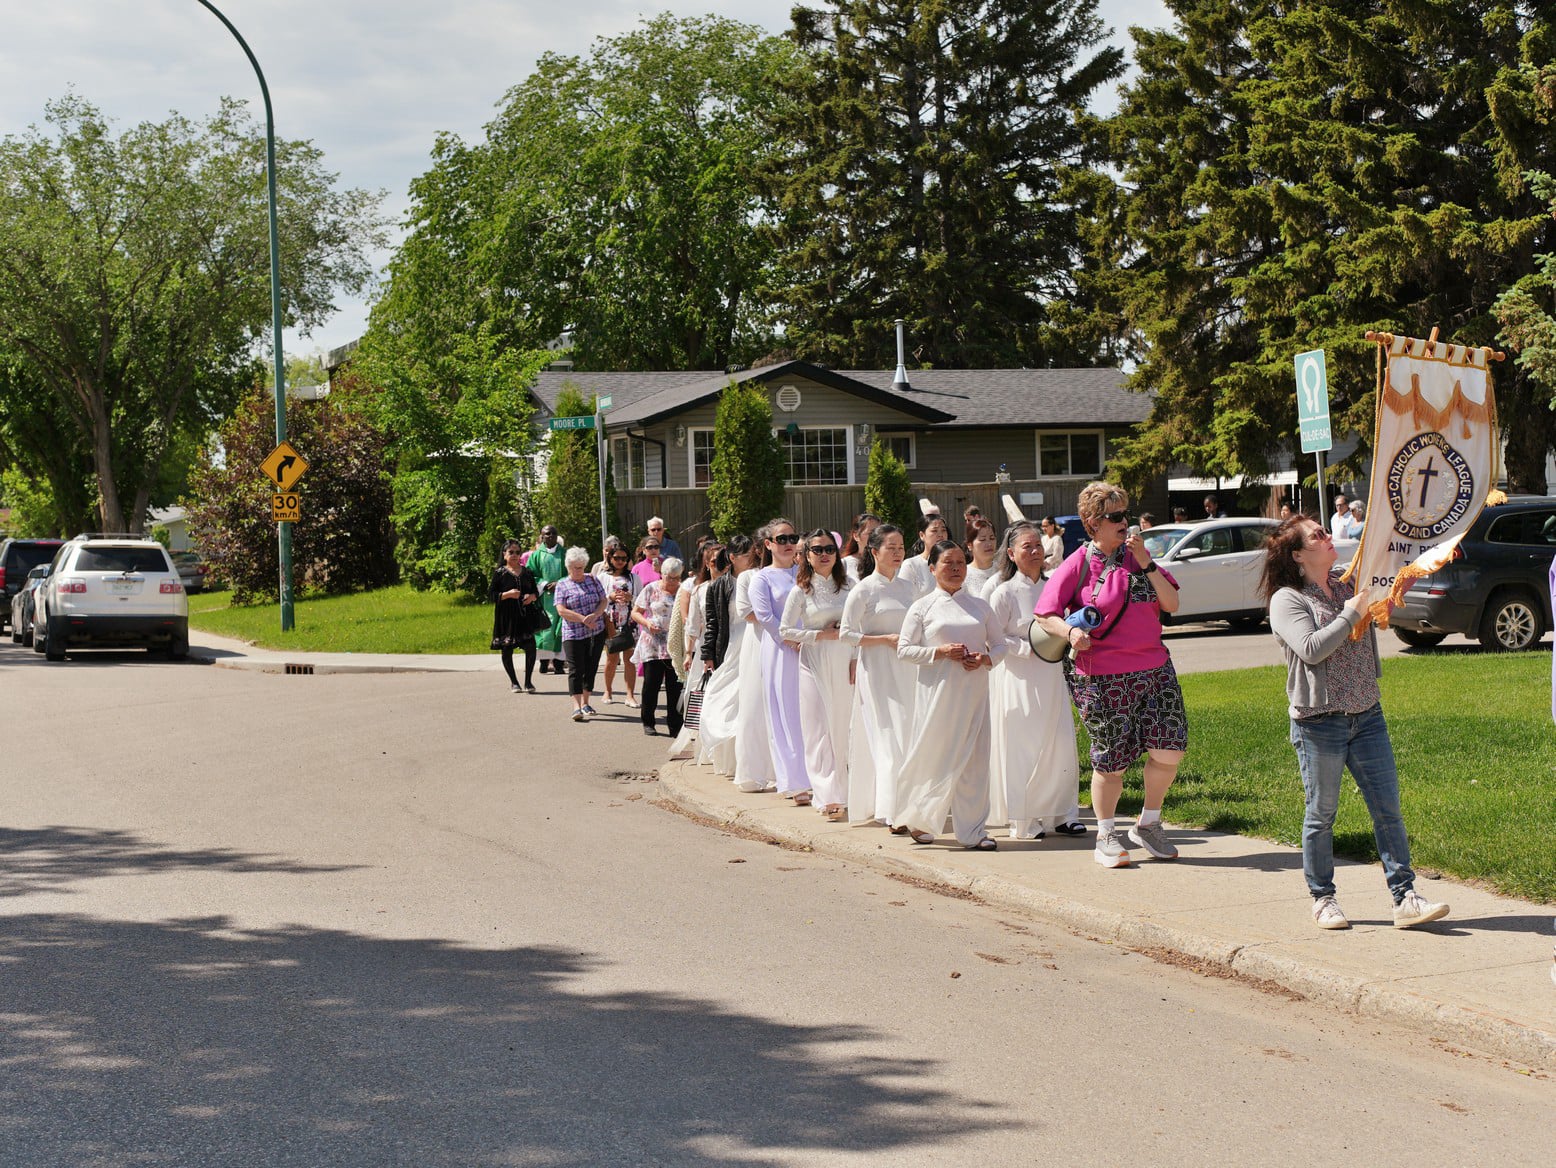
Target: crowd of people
(895,677)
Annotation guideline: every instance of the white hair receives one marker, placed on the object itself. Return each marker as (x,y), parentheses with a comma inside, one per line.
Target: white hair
(672,567)
(653,519)
(576,556)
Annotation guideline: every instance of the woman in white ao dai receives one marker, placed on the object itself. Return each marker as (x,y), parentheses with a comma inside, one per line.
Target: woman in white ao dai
(953,638)
(812,612)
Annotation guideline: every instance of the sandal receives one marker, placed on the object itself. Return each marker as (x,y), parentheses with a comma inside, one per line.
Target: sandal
(1072,828)
(835,813)
(900,829)
(986,844)
(922,837)
(802,799)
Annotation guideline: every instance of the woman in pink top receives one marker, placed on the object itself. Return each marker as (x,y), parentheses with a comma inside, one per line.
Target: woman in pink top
(1120,676)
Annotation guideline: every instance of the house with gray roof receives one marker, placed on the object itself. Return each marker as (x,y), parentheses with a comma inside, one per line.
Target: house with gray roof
(1039,427)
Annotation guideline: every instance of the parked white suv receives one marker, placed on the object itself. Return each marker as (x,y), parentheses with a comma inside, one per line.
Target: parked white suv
(111,592)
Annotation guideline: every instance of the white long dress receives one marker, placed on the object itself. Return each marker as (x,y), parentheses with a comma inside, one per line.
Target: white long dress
(753,755)
(692,639)
(884,686)
(826,699)
(947,768)
(721,698)
(915,570)
(1035,772)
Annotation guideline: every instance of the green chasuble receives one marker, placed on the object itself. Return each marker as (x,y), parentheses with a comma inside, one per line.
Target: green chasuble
(546,566)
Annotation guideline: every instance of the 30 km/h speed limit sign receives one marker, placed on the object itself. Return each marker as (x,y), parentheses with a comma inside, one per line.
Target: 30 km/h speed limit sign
(285,508)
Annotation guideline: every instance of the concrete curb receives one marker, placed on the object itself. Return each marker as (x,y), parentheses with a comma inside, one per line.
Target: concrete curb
(1367,997)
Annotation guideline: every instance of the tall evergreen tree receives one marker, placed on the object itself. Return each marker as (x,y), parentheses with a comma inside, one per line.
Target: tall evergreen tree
(1295,175)
(929,168)
(748,464)
(888,491)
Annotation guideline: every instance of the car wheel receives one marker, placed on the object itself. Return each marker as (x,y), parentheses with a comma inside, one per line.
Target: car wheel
(1513,620)
(53,642)
(1246,624)
(178,646)
(27,634)
(1416,639)
(16,635)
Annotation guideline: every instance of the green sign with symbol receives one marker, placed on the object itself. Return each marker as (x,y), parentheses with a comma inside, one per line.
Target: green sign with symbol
(584,423)
(1313,402)
(604,403)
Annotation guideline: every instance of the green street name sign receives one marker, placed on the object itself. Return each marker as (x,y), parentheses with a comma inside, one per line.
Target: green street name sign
(586,423)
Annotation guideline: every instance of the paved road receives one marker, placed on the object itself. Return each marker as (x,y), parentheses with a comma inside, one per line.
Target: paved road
(417,920)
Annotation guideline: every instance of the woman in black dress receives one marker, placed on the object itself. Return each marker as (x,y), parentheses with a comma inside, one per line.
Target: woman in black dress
(513,587)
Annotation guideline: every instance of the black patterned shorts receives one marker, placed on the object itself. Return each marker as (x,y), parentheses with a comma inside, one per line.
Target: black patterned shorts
(1127,714)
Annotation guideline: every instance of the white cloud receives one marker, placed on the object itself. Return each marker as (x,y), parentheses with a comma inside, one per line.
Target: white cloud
(371,84)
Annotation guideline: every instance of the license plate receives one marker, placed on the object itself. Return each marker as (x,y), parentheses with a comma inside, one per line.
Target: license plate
(124,587)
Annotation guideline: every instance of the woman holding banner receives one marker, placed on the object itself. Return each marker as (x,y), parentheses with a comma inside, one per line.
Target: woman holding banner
(1336,716)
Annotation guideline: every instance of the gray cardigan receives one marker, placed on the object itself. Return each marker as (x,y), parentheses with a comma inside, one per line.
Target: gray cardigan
(1294,620)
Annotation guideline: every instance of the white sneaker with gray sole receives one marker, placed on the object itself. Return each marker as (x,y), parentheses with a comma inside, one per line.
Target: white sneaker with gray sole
(1153,838)
(1415,910)
(1327,914)
(1109,852)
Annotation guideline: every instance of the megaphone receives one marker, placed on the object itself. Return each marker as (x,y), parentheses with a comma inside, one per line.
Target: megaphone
(1052,647)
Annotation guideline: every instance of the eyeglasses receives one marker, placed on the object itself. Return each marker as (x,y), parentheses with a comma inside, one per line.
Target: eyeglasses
(1323,534)
(823,549)
(791,538)
(1116,517)
(650,547)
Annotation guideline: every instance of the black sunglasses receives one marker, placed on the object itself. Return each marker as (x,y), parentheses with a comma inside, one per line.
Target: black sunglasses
(1116,517)
(786,539)
(823,549)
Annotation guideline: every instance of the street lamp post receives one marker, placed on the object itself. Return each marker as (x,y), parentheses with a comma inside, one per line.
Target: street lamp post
(283,530)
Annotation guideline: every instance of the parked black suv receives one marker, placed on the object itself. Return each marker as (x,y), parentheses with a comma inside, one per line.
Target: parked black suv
(17,558)
(1497,586)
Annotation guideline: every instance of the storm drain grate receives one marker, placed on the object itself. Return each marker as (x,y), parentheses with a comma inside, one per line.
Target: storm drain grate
(635,777)
(292,668)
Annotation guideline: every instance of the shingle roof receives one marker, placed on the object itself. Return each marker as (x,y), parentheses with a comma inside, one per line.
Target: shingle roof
(944,397)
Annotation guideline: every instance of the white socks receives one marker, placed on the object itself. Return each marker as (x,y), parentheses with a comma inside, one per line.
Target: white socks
(1148,816)
(1104,826)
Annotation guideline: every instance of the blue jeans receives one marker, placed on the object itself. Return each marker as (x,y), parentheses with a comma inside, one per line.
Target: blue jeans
(1326,746)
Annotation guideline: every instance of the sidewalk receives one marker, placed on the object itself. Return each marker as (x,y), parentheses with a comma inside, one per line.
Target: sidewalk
(229,654)
(1480,978)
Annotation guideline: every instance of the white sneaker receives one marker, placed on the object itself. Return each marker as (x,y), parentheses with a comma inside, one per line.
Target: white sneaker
(1415,909)
(1109,852)
(1327,914)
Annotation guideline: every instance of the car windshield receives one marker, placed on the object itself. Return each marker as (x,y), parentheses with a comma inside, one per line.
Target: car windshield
(121,559)
(1161,540)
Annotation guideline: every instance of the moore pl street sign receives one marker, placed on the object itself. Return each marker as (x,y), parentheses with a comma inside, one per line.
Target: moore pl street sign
(586,423)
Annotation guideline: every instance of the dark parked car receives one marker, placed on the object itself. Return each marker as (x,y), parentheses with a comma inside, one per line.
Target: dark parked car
(1497,586)
(17,558)
(22,606)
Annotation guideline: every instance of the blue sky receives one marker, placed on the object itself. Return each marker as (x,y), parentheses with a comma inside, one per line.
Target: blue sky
(371,84)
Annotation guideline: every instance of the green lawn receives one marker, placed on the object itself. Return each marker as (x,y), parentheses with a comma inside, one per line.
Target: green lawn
(390,620)
(1473,738)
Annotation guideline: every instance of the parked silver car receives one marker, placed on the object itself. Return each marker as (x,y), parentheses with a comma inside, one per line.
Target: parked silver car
(22,605)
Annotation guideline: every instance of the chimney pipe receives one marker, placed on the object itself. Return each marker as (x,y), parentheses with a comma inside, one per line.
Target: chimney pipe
(900,381)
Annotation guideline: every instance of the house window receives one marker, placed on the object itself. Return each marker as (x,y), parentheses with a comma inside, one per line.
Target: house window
(702,458)
(1069,456)
(629,463)
(817,457)
(903,446)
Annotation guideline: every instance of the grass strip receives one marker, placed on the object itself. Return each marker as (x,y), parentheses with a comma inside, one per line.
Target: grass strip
(386,620)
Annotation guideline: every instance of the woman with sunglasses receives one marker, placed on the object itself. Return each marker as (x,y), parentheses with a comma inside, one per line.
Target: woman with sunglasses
(811,614)
(722,637)
(620,589)
(1336,714)
(915,570)
(884,683)
(514,593)
(952,637)
(1035,779)
(781,662)
(754,770)
(1120,676)
(646,570)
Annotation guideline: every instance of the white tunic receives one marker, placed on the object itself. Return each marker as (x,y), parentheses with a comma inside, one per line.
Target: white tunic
(1035,772)
(947,767)
(753,756)
(915,570)
(826,699)
(884,687)
(979,580)
(721,698)
(692,640)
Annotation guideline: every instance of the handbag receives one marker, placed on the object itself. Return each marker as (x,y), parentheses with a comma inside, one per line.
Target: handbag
(694,702)
(536,619)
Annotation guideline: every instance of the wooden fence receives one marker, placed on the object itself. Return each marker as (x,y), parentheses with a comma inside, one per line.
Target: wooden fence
(686,513)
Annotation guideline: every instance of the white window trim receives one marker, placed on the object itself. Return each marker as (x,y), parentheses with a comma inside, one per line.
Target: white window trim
(1037,451)
(691,454)
(848,437)
(912,460)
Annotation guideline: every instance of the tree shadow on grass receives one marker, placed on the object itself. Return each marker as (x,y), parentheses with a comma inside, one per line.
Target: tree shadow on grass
(194,1042)
(49,859)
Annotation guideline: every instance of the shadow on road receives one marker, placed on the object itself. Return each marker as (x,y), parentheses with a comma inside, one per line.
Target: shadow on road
(49,859)
(318,1047)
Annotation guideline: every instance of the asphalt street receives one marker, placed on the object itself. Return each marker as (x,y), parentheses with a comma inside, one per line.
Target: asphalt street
(415,919)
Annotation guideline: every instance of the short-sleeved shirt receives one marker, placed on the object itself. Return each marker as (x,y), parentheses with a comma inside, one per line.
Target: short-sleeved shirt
(580,596)
(657,605)
(1131,629)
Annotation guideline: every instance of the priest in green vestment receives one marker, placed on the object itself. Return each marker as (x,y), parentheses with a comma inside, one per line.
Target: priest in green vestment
(545,564)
